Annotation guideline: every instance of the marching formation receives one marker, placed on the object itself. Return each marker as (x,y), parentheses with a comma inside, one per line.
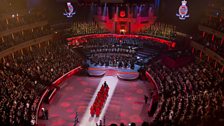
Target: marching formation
(100,100)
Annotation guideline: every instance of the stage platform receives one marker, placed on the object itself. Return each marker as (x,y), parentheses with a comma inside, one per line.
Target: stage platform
(128,75)
(96,72)
(121,73)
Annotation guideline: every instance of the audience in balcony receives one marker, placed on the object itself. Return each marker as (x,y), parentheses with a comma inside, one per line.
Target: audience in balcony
(214,43)
(23,36)
(24,79)
(214,22)
(189,95)
(19,20)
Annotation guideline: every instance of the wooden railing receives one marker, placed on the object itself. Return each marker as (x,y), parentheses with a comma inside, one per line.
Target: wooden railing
(25,45)
(208,52)
(211,31)
(56,83)
(24,27)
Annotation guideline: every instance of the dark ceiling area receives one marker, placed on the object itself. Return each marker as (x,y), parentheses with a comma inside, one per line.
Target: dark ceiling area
(166,13)
(169,9)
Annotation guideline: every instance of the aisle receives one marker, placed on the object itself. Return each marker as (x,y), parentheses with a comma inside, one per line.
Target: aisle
(125,102)
(87,120)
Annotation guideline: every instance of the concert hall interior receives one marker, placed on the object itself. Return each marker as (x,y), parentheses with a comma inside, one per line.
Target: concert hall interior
(112,62)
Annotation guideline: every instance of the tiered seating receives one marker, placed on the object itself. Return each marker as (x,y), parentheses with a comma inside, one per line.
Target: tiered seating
(51,62)
(210,40)
(189,95)
(12,32)
(100,100)
(87,28)
(23,36)
(18,98)
(24,79)
(214,22)
(19,20)
(111,51)
(215,44)
(160,30)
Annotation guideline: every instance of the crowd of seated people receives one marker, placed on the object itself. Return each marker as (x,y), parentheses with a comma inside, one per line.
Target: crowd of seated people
(19,20)
(18,98)
(87,28)
(215,44)
(160,30)
(216,22)
(23,36)
(116,56)
(189,95)
(112,51)
(24,78)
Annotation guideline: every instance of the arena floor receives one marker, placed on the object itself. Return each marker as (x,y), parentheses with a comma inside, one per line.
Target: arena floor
(124,104)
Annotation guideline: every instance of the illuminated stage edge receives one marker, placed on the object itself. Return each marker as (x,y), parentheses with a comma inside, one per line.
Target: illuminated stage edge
(79,39)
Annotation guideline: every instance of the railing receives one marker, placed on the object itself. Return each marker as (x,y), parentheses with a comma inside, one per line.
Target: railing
(39,103)
(211,31)
(25,45)
(55,83)
(24,27)
(208,52)
(74,40)
(155,97)
(151,79)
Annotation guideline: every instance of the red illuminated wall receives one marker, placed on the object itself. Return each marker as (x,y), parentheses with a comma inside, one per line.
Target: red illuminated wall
(124,20)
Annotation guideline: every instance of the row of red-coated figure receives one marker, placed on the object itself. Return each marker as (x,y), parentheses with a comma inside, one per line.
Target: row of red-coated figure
(100,100)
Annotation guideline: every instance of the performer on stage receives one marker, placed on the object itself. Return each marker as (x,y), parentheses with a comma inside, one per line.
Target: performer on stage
(105,84)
